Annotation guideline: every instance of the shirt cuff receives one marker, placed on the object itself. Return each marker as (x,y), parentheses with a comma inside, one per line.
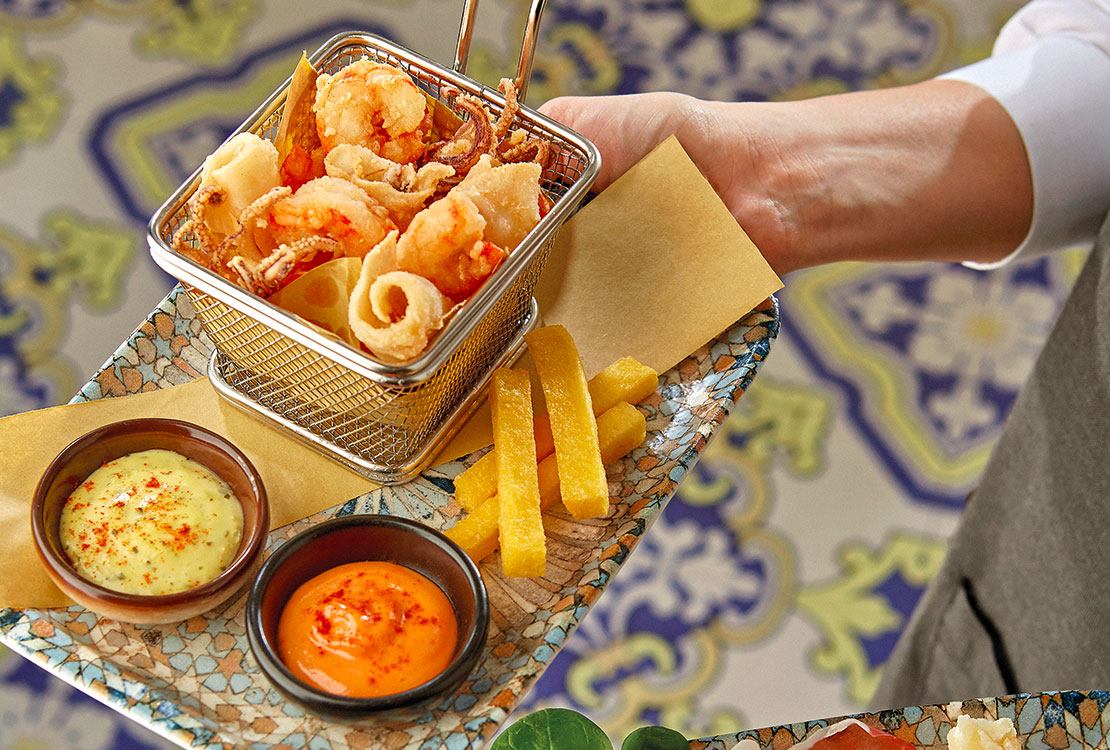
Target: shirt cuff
(1057,90)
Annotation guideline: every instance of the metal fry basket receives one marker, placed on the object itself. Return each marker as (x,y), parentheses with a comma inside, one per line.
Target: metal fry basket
(385,421)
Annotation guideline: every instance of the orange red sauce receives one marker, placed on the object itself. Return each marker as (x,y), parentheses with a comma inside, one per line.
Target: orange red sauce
(367,629)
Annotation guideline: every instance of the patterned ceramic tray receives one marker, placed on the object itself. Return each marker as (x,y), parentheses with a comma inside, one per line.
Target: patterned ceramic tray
(196,682)
(1043,721)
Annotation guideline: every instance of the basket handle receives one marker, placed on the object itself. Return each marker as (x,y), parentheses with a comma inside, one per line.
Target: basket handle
(527,47)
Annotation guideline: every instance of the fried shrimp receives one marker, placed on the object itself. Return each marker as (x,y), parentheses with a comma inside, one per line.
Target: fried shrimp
(373,105)
(444,244)
(333,208)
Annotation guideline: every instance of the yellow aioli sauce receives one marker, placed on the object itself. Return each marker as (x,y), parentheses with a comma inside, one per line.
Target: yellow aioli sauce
(152,523)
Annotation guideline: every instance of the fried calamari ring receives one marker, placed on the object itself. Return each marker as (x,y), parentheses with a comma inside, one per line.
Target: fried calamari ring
(394,313)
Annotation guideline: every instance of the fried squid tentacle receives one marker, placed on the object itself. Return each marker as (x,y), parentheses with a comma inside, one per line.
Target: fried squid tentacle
(266,276)
(517,145)
(473,138)
(507,87)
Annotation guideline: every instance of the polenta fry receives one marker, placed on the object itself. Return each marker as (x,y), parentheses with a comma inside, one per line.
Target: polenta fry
(573,426)
(625,380)
(523,546)
(619,430)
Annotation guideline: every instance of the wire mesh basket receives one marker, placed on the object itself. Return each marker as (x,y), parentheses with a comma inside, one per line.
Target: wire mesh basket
(385,421)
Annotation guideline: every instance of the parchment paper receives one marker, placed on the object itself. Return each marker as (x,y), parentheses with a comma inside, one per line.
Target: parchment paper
(653,267)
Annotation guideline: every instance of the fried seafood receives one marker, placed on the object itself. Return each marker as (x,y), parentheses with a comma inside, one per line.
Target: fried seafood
(369,168)
(400,188)
(518,147)
(394,313)
(508,197)
(479,136)
(332,208)
(251,242)
(251,257)
(194,239)
(197,241)
(234,176)
(372,105)
(473,138)
(266,276)
(444,243)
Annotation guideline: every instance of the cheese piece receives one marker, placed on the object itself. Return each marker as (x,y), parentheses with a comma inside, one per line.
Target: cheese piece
(624,380)
(619,431)
(983,734)
(523,547)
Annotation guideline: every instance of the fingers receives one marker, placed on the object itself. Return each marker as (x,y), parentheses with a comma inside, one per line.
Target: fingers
(623,127)
(592,117)
(566,109)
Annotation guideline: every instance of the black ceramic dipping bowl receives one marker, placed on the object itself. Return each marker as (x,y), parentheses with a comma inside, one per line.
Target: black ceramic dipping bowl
(354,539)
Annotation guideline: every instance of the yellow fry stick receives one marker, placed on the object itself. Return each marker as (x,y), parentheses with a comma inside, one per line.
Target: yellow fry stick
(624,380)
(523,547)
(479,482)
(581,473)
(619,430)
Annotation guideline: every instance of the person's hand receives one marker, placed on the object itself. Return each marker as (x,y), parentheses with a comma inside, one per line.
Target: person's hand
(933,171)
(625,128)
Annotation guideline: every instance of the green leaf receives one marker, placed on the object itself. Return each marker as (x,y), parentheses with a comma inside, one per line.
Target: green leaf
(553,729)
(655,738)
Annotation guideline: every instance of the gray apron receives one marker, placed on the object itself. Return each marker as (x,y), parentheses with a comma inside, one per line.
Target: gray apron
(1022,602)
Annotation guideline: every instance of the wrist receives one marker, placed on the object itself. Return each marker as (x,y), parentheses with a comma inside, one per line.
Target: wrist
(933,171)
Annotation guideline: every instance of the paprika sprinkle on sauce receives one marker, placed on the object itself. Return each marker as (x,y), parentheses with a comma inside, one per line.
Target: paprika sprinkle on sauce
(367,629)
(152,522)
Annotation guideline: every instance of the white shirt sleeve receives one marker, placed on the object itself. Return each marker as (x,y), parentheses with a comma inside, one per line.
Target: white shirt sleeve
(1050,69)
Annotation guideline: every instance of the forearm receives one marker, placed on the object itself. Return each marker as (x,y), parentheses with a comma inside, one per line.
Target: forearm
(933,171)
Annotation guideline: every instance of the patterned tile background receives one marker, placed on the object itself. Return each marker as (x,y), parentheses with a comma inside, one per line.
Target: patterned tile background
(776,583)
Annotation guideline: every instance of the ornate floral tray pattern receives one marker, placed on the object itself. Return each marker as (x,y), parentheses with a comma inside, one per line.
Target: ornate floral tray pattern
(196,683)
(1066,720)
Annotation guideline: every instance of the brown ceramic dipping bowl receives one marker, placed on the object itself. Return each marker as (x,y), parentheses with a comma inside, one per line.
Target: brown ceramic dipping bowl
(85,454)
